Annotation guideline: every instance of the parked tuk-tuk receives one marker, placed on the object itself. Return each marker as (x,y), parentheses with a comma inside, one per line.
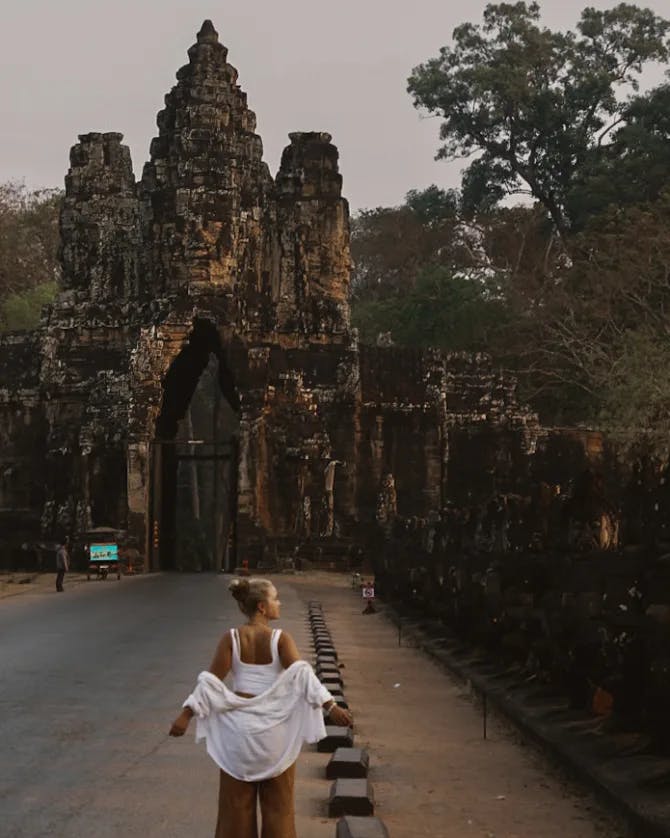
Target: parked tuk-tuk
(102,552)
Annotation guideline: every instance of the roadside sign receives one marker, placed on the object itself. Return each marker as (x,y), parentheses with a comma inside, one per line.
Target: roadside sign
(368,592)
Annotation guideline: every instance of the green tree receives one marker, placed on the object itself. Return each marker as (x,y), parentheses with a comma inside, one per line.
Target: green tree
(434,206)
(391,245)
(633,168)
(22,310)
(429,276)
(592,344)
(454,312)
(443,310)
(29,268)
(533,106)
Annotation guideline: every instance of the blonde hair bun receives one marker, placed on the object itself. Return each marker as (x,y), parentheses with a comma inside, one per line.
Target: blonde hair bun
(249,592)
(239,588)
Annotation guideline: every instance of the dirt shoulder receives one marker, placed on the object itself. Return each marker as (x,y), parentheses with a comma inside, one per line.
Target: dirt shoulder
(433,772)
(17,583)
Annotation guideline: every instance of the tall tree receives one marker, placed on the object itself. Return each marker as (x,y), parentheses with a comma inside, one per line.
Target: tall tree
(29,267)
(633,168)
(603,327)
(444,309)
(429,276)
(534,106)
(392,245)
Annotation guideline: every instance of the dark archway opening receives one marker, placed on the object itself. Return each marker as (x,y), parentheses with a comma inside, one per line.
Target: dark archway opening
(194,460)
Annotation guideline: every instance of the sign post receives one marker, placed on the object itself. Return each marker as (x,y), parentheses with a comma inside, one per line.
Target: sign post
(368,592)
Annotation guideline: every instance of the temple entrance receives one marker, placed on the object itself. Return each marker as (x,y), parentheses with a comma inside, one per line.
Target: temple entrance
(194,461)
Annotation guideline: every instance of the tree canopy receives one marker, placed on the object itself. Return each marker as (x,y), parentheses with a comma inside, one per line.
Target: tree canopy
(586,336)
(432,277)
(29,268)
(391,245)
(603,328)
(548,113)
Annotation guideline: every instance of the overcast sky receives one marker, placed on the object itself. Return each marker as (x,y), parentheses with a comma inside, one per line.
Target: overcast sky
(73,66)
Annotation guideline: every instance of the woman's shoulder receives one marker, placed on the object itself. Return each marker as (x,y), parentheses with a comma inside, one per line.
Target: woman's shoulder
(285,640)
(227,638)
(287,648)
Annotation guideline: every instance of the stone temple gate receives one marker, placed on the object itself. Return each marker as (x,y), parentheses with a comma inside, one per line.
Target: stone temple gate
(201,337)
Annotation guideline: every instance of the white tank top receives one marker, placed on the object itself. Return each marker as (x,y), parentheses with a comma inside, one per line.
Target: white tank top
(255,678)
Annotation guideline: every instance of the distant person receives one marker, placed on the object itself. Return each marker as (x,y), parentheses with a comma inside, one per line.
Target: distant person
(62,562)
(255,732)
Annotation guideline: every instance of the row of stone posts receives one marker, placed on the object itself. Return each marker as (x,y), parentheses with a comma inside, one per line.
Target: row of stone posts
(351,795)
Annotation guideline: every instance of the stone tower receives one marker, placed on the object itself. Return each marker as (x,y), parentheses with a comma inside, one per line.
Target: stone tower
(200,348)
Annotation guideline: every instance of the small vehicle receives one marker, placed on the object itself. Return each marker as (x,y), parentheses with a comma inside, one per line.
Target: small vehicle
(103,553)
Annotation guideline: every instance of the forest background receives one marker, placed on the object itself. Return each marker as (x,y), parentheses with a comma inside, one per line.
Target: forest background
(553,256)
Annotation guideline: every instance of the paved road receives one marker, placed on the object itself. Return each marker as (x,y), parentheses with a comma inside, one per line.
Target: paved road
(89,682)
(91,679)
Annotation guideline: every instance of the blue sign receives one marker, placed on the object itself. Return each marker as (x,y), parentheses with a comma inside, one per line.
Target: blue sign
(104,552)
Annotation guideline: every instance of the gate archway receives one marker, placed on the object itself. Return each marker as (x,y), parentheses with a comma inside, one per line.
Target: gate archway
(194,462)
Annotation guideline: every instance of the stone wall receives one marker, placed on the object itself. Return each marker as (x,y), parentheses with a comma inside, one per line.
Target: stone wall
(563,575)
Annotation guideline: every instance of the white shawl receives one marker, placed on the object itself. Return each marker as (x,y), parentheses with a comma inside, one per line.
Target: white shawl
(254,739)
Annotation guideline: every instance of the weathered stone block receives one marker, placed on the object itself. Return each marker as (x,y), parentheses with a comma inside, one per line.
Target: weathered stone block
(336,737)
(352,826)
(332,683)
(330,664)
(329,670)
(351,763)
(326,659)
(351,797)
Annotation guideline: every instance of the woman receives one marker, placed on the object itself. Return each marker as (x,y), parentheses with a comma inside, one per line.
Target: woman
(254,732)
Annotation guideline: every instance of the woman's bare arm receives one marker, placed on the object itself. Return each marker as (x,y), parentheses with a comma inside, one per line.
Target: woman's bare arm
(288,651)
(223,657)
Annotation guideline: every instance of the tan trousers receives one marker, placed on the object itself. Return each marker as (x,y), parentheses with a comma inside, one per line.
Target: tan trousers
(238,805)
